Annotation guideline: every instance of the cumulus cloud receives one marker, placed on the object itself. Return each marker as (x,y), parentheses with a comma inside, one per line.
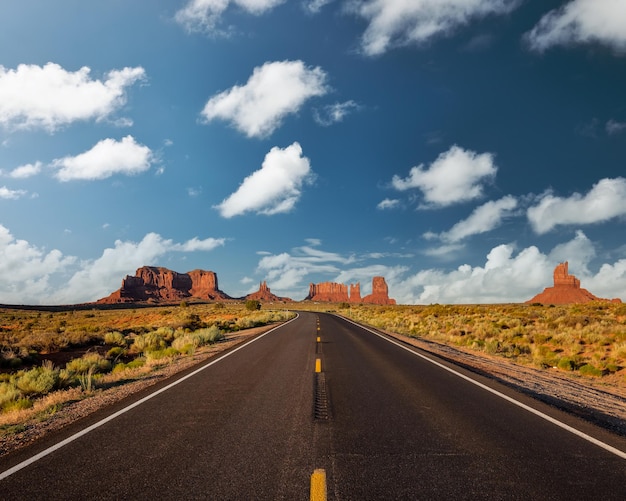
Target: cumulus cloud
(106,158)
(314,6)
(287,271)
(388,203)
(456,176)
(483,219)
(614,127)
(9,194)
(25,269)
(25,171)
(393,23)
(334,113)
(276,187)
(606,200)
(581,21)
(49,97)
(205,15)
(274,91)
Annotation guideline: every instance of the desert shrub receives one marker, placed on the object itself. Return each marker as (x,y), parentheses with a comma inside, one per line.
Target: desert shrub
(252,305)
(566,364)
(38,380)
(161,354)
(17,405)
(115,353)
(115,338)
(134,364)
(200,337)
(147,342)
(590,370)
(167,333)
(93,362)
(9,393)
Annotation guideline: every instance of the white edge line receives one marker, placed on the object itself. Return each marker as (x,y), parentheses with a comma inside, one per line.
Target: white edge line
(104,421)
(552,420)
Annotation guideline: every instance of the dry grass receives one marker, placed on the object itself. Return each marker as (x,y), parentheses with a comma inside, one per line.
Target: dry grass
(100,348)
(587,339)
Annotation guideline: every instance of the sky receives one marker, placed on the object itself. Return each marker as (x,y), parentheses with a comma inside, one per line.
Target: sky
(459,148)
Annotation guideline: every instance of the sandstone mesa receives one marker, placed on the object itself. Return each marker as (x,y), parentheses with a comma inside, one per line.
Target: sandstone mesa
(566,290)
(153,284)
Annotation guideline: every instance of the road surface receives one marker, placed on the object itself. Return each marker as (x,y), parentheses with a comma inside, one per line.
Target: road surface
(382,421)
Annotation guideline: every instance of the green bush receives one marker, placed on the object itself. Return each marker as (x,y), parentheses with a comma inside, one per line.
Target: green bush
(161,354)
(115,338)
(89,362)
(253,305)
(147,342)
(590,370)
(9,393)
(38,380)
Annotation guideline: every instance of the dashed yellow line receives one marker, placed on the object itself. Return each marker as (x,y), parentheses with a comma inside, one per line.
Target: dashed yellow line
(318,365)
(318,485)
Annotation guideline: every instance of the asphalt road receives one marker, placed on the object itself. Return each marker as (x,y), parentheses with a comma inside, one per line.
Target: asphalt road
(381,421)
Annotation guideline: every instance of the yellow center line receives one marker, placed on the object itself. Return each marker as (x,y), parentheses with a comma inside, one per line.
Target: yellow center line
(318,365)
(318,339)
(318,485)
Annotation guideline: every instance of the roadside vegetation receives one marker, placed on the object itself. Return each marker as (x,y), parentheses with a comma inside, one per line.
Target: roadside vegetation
(582,339)
(51,358)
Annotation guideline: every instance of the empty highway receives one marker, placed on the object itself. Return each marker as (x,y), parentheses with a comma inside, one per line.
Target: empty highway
(383,421)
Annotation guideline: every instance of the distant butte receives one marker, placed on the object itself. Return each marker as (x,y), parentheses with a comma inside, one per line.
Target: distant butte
(338,293)
(152,284)
(160,285)
(264,294)
(566,290)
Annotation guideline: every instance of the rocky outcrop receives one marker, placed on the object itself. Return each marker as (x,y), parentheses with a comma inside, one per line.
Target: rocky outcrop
(328,292)
(264,294)
(566,290)
(338,293)
(380,293)
(155,284)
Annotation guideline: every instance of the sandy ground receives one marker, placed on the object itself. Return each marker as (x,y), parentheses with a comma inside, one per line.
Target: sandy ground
(595,400)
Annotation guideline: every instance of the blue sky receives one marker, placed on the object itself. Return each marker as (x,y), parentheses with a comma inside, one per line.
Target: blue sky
(459,148)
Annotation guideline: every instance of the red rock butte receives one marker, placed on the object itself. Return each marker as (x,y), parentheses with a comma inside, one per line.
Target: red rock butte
(264,294)
(566,290)
(338,293)
(152,284)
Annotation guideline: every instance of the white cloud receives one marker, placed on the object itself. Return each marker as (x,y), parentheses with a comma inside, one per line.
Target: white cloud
(456,176)
(25,171)
(205,15)
(483,219)
(9,194)
(388,203)
(395,23)
(286,271)
(195,244)
(614,127)
(106,158)
(25,270)
(274,188)
(581,21)
(274,91)
(50,97)
(606,200)
(334,113)
(314,6)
